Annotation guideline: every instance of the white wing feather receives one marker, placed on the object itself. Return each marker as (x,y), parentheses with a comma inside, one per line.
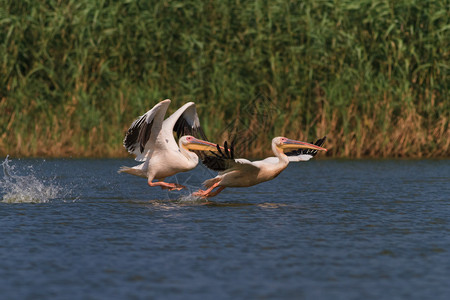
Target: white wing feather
(138,137)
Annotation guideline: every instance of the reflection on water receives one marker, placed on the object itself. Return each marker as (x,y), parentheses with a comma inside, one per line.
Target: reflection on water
(190,200)
(320,230)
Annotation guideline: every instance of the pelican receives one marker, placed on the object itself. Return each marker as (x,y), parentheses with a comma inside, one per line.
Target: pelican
(300,154)
(151,139)
(243,173)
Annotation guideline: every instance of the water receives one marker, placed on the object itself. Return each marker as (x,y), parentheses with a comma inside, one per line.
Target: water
(321,230)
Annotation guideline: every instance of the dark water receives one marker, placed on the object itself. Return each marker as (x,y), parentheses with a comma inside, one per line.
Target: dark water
(321,230)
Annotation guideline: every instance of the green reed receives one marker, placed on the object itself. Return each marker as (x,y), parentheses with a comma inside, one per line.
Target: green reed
(372,75)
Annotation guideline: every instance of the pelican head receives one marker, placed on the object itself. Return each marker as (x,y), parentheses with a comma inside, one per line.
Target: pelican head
(191,143)
(285,143)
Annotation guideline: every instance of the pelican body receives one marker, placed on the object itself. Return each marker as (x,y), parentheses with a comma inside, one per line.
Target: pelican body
(151,139)
(245,173)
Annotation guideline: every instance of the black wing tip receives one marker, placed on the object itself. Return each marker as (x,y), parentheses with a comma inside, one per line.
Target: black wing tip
(218,161)
(228,150)
(138,134)
(182,127)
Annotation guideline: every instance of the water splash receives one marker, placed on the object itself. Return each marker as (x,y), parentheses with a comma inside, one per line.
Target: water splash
(191,199)
(27,188)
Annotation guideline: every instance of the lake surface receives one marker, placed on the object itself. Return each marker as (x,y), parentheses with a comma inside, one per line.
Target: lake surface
(324,229)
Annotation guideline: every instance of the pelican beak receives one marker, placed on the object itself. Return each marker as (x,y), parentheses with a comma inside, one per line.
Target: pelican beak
(201,145)
(293,144)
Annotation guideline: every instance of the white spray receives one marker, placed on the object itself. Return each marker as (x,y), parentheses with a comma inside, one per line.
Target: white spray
(27,188)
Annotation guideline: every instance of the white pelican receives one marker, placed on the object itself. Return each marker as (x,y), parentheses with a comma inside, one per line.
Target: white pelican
(151,139)
(300,154)
(243,173)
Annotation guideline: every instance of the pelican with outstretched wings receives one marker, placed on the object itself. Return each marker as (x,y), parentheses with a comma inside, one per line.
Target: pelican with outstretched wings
(151,139)
(243,173)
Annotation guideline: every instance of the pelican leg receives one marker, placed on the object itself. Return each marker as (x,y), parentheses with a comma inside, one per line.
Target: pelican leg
(207,193)
(174,187)
(216,192)
(167,185)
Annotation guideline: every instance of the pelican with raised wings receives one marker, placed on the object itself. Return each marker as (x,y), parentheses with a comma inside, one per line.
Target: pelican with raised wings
(244,173)
(151,139)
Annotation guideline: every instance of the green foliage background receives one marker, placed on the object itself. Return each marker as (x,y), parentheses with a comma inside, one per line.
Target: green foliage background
(372,75)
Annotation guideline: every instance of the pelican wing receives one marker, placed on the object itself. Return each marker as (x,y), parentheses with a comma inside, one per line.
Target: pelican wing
(305,154)
(139,133)
(220,161)
(185,121)
(224,161)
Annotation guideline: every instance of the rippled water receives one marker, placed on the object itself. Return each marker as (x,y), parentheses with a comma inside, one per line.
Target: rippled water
(321,230)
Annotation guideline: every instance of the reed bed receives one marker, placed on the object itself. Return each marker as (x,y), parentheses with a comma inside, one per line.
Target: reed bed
(371,75)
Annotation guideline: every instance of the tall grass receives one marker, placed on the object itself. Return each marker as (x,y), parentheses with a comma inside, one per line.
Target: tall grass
(372,75)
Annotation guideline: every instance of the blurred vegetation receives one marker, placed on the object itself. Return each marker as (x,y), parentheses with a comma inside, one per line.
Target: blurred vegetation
(372,75)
